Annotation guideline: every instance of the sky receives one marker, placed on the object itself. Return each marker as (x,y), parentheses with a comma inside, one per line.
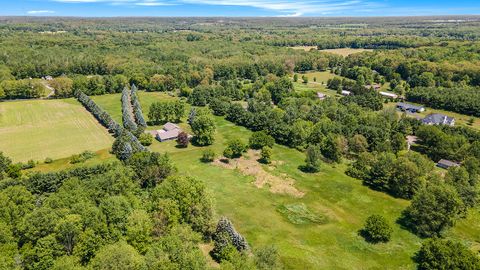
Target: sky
(227,8)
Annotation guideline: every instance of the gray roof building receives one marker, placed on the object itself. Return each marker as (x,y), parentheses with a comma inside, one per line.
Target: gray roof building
(438,119)
(445,164)
(170,126)
(409,107)
(170,131)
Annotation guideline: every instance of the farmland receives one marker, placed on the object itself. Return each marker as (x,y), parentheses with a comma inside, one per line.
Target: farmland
(39,129)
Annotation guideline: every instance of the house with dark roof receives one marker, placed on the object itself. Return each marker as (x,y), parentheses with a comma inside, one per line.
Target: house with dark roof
(405,107)
(170,131)
(446,164)
(438,119)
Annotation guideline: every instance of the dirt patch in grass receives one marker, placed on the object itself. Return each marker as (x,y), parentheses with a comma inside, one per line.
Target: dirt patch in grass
(299,214)
(249,165)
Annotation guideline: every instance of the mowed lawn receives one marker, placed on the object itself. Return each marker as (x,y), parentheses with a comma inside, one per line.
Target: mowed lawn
(37,129)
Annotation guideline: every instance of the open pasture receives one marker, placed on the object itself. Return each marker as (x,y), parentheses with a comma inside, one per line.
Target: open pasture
(37,129)
(345,51)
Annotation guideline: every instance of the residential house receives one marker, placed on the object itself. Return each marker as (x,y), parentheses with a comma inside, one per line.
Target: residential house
(438,119)
(170,131)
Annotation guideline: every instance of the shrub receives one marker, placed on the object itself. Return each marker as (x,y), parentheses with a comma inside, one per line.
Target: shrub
(266,155)
(376,229)
(48,160)
(80,158)
(183,140)
(145,139)
(234,149)
(260,139)
(208,155)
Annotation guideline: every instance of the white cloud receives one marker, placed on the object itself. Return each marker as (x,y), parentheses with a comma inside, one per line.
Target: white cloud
(290,7)
(284,8)
(37,12)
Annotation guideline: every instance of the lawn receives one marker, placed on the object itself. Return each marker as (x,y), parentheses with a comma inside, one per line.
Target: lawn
(37,129)
(289,222)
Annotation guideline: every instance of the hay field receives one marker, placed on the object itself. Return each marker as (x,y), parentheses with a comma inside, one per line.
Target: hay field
(36,129)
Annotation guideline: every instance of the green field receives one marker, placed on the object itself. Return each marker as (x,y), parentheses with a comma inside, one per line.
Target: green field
(260,214)
(36,129)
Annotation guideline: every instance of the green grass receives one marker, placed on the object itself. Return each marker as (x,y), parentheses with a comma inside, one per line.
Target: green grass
(37,129)
(317,231)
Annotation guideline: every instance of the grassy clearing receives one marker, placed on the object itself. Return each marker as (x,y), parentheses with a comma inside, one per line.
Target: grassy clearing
(304,48)
(37,129)
(316,231)
(346,51)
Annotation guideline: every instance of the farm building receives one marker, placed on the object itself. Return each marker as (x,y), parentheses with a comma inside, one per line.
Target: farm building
(388,95)
(170,131)
(438,119)
(409,107)
(446,164)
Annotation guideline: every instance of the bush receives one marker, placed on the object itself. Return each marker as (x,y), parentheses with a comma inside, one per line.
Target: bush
(145,139)
(48,160)
(235,149)
(208,155)
(376,229)
(260,139)
(183,140)
(266,155)
(80,158)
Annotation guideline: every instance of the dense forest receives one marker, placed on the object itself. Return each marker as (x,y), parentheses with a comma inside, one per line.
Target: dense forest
(140,212)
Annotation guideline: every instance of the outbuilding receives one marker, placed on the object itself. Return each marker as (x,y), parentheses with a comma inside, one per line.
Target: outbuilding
(446,164)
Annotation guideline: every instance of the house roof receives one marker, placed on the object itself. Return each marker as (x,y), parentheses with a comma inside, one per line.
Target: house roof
(168,135)
(407,106)
(321,95)
(170,126)
(345,92)
(438,119)
(447,163)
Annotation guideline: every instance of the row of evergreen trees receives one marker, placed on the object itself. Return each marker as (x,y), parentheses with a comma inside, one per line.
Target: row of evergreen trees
(106,120)
(137,108)
(127,116)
